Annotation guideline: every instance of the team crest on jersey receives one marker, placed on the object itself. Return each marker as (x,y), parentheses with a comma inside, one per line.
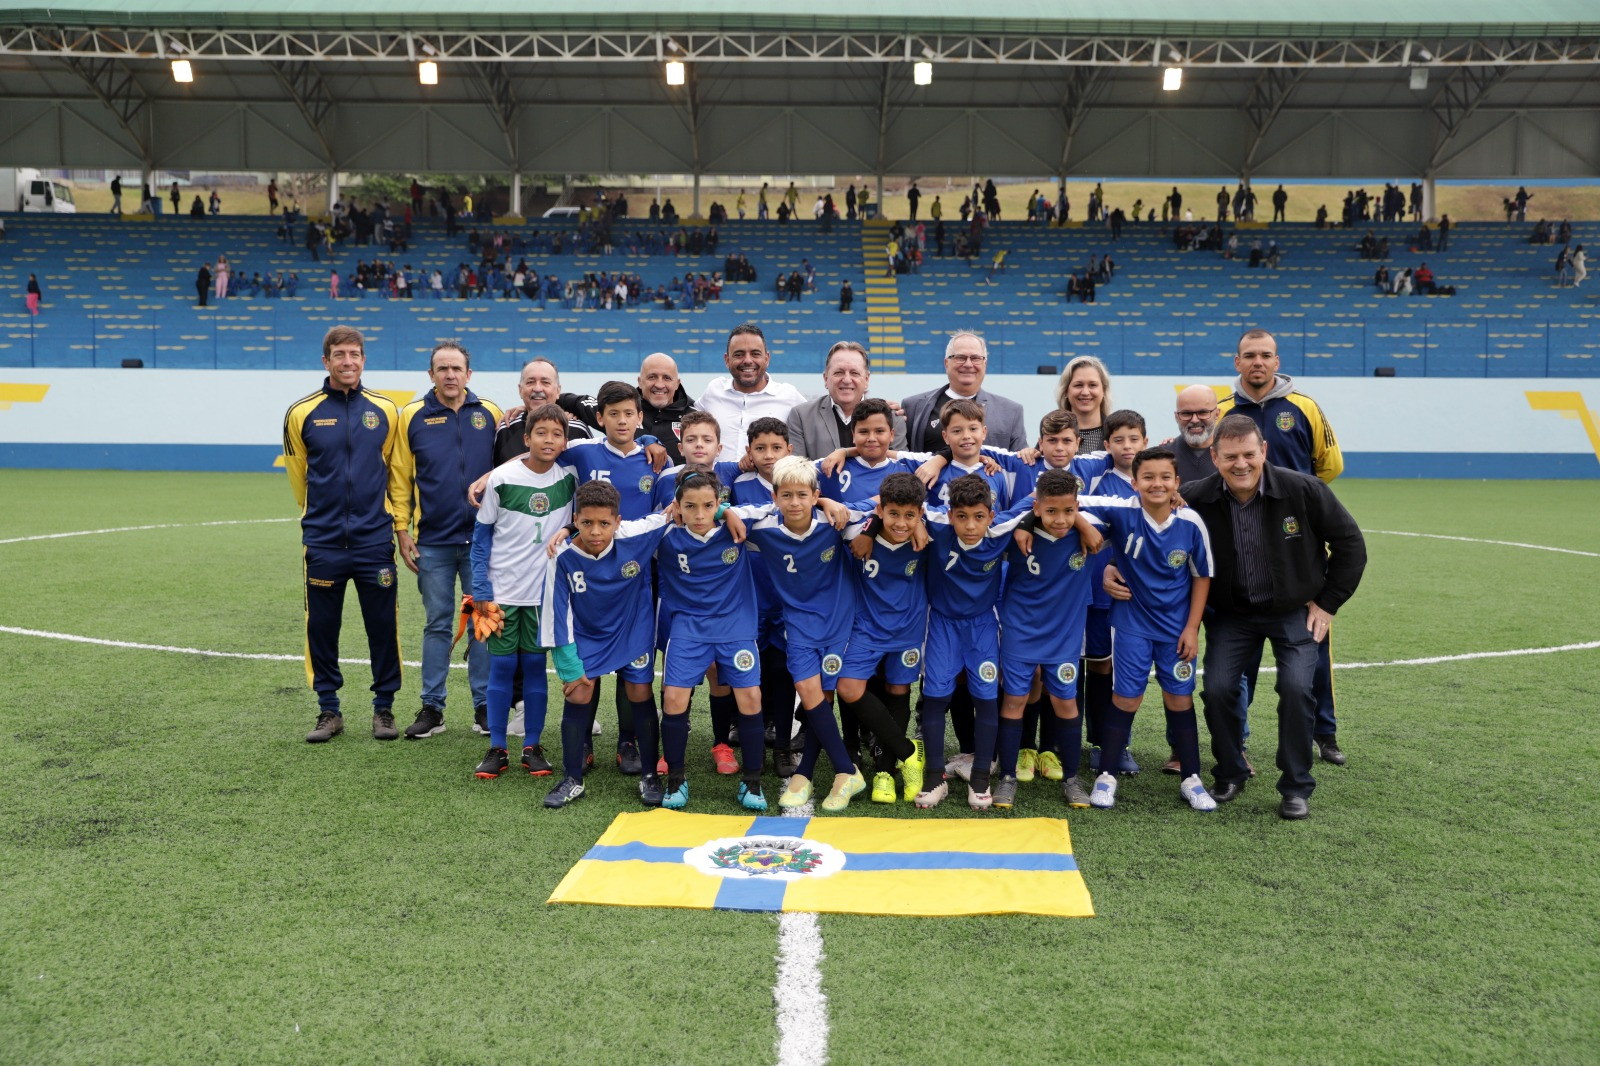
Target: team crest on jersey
(386,577)
(910,657)
(641,662)
(540,503)
(987,672)
(832,664)
(478,421)
(730,556)
(1067,673)
(370,420)
(827,555)
(744,659)
(1183,671)
(911,568)
(1291,525)
(645,483)
(1176,559)
(1285,421)
(990,565)
(765,858)
(630,569)
(1076,562)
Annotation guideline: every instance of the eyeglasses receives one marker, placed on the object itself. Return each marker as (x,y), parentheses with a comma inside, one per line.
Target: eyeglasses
(975,360)
(1190,416)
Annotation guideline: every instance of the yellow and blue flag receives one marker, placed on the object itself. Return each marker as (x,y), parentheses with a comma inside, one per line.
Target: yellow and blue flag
(928,868)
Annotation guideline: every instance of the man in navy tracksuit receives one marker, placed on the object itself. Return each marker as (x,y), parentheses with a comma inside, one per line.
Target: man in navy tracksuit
(446,443)
(338,447)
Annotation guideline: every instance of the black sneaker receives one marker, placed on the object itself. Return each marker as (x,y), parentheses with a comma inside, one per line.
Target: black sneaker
(569,789)
(329,725)
(628,760)
(650,790)
(494,764)
(383,726)
(785,762)
(480,721)
(429,723)
(534,762)
(771,734)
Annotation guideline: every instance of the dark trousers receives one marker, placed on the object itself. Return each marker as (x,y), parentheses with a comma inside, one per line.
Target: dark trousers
(203,290)
(1232,642)
(327,572)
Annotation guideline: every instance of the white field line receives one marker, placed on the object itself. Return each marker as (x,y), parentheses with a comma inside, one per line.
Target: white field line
(139,529)
(1479,540)
(801,1003)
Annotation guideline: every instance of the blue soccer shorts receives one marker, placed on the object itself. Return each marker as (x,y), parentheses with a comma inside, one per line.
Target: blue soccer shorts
(809,661)
(738,664)
(1097,633)
(640,671)
(1131,658)
(901,666)
(956,644)
(1060,679)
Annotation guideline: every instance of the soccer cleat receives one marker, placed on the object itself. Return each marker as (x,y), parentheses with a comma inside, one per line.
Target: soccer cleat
(1005,793)
(752,798)
(911,772)
(722,755)
(883,790)
(1194,792)
(961,766)
(329,725)
(1104,794)
(785,762)
(979,801)
(1328,750)
(480,721)
(1049,766)
(661,766)
(569,789)
(383,726)
(429,723)
(1125,764)
(678,798)
(534,762)
(650,790)
(933,797)
(1074,793)
(517,726)
(845,786)
(1027,759)
(588,756)
(770,734)
(1172,765)
(797,793)
(628,760)
(493,765)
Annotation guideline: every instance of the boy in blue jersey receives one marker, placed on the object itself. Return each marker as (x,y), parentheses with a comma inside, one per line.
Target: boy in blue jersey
(707,591)
(525,501)
(855,473)
(965,552)
(1164,556)
(700,441)
(1042,615)
(620,459)
(805,560)
(964,429)
(889,631)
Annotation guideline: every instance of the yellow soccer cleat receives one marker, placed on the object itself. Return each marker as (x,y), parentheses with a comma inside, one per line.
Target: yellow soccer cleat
(911,772)
(845,788)
(1048,767)
(883,790)
(1026,758)
(797,793)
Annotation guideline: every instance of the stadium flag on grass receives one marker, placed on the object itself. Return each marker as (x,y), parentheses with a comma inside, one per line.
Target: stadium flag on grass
(937,868)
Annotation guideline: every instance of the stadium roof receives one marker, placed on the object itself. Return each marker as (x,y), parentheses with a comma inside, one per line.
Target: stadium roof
(1501,90)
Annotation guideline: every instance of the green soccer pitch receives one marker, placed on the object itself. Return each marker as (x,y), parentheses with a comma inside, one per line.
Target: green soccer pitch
(185,880)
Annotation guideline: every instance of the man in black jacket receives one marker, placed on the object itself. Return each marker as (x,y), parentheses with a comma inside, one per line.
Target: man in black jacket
(1287,555)
(662,404)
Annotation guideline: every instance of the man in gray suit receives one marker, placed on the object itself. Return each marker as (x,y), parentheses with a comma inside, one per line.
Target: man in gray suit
(818,426)
(966,360)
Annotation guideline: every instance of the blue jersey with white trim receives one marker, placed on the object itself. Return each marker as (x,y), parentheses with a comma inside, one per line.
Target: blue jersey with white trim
(1158,561)
(893,586)
(630,475)
(602,603)
(667,483)
(964,579)
(1007,487)
(706,587)
(750,489)
(808,572)
(1108,482)
(1046,598)
(857,479)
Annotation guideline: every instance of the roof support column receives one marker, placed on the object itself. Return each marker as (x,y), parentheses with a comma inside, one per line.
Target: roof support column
(333,190)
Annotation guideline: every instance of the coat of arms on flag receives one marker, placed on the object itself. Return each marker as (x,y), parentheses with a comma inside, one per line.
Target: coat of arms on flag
(931,868)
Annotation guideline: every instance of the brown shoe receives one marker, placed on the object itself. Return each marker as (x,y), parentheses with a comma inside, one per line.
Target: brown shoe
(329,725)
(383,726)
(1172,765)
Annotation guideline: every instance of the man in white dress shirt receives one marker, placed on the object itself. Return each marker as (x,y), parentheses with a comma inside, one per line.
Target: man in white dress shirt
(748,393)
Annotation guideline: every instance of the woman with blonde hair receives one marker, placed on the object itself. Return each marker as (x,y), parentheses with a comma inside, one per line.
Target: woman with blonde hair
(1085,390)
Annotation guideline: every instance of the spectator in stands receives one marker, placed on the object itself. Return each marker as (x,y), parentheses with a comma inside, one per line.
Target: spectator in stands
(847,295)
(216,203)
(1280,201)
(333,284)
(1085,390)
(1322,216)
(817,427)
(202,284)
(966,359)
(35,294)
(176,197)
(220,276)
(1381,280)
(748,392)
(913,196)
(1580,265)
(1423,277)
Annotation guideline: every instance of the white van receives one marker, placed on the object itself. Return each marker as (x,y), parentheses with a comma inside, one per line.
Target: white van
(562,212)
(26,189)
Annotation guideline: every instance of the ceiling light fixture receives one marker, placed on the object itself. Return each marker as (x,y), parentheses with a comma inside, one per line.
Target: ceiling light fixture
(182,71)
(428,72)
(922,73)
(676,72)
(1172,79)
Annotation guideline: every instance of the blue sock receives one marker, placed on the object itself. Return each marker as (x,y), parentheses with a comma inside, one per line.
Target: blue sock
(574,731)
(648,730)
(502,668)
(985,732)
(752,746)
(1115,729)
(675,741)
(535,692)
(1048,741)
(826,730)
(1184,733)
(1010,744)
(933,709)
(1069,740)
(625,731)
(723,711)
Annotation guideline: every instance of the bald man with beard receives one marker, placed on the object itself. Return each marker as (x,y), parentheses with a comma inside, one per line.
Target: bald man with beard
(1196,416)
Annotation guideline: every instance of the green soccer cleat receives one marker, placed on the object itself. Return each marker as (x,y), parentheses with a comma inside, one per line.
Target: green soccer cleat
(1048,766)
(911,772)
(883,790)
(1026,759)
(845,788)
(797,793)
